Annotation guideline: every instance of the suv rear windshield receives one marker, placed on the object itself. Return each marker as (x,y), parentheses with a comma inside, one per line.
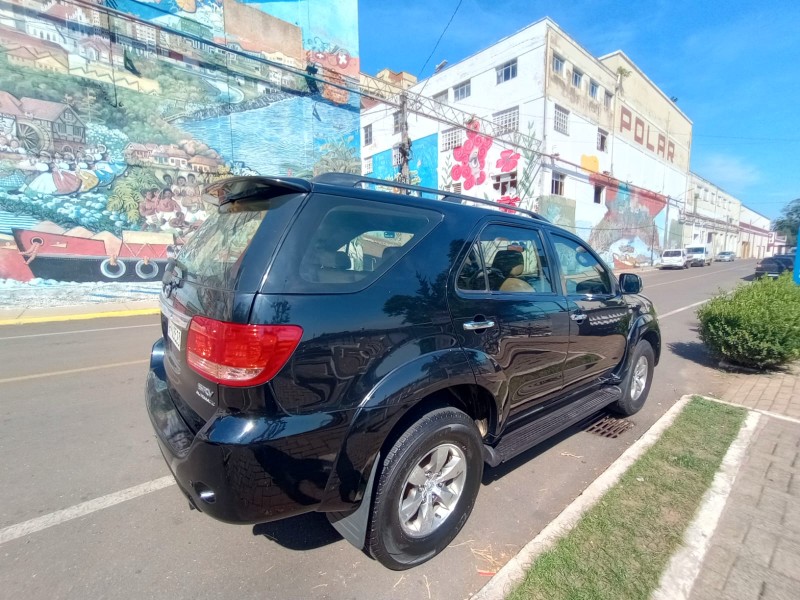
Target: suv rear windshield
(213,256)
(696,250)
(668,253)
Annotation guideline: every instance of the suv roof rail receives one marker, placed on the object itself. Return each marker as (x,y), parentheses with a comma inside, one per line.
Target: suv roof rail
(352,180)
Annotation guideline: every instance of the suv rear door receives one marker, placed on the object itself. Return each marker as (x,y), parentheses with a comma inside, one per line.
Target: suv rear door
(504,303)
(599,316)
(216,276)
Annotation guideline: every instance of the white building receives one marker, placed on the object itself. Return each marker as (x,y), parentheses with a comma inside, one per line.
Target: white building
(611,151)
(754,234)
(711,216)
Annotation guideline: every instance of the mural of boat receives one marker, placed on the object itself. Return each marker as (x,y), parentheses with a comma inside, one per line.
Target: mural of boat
(79,255)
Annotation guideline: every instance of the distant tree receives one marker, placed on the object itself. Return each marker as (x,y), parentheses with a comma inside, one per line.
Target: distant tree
(789,222)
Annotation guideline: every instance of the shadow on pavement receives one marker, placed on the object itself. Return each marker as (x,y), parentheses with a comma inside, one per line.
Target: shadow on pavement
(304,532)
(750,277)
(695,352)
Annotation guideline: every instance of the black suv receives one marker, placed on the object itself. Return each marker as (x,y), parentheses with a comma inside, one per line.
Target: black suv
(335,345)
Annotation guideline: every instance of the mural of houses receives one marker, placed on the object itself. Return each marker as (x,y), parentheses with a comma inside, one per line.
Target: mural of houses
(201,164)
(43,125)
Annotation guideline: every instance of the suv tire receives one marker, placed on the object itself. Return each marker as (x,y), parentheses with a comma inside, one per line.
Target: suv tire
(431,475)
(637,382)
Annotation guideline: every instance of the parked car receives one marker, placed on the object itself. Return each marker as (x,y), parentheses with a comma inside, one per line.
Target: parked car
(674,259)
(698,256)
(725,257)
(362,353)
(773,266)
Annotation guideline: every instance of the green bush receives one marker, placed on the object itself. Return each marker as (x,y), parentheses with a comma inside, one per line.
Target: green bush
(756,325)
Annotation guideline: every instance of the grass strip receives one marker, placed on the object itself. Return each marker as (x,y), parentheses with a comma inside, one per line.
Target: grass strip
(621,546)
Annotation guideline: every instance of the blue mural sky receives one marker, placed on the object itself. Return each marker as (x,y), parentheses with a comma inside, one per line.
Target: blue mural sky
(731,65)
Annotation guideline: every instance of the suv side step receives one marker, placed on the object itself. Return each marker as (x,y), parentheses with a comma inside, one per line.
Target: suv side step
(528,435)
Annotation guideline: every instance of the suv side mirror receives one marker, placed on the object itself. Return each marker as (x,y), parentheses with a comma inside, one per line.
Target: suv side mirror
(630,283)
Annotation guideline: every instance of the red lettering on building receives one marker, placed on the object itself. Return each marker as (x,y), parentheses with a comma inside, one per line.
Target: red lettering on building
(625,119)
(649,145)
(671,152)
(662,145)
(638,131)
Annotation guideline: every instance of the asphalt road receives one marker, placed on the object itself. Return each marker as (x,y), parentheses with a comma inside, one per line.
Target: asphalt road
(73,430)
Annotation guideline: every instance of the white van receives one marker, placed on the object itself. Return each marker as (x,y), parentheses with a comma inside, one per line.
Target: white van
(674,259)
(698,256)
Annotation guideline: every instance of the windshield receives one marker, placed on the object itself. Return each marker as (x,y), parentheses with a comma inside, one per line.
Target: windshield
(696,250)
(670,253)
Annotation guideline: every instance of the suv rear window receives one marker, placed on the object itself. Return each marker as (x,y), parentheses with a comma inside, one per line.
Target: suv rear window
(669,253)
(214,254)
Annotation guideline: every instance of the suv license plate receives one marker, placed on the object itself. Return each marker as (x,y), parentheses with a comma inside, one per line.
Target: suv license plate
(174,333)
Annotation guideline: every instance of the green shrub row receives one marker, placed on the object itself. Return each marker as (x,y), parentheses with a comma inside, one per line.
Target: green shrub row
(757,325)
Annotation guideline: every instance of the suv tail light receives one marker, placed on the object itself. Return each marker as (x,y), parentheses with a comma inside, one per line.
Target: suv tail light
(239,355)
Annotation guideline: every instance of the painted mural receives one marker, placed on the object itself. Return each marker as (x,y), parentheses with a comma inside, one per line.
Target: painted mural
(492,168)
(111,125)
(422,167)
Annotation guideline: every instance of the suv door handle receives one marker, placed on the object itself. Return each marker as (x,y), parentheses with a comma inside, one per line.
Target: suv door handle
(474,325)
(578,317)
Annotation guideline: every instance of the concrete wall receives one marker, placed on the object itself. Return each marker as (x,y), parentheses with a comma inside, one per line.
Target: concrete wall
(111,122)
(711,216)
(754,234)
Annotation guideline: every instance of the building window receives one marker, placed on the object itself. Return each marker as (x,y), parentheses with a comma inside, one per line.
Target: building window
(452,138)
(461,91)
(397,120)
(594,89)
(557,186)
(60,128)
(558,64)
(598,194)
(507,120)
(507,71)
(368,165)
(441,97)
(505,183)
(607,101)
(561,122)
(396,159)
(602,140)
(577,77)
(367,135)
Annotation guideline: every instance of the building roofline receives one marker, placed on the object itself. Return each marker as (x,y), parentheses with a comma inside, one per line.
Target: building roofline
(711,183)
(646,78)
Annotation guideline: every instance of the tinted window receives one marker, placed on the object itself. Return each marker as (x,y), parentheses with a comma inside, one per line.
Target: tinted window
(668,253)
(696,250)
(212,256)
(343,244)
(581,272)
(515,259)
(472,276)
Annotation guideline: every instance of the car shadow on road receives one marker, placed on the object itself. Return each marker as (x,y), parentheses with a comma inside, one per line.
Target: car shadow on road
(492,474)
(695,352)
(303,532)
(750,277)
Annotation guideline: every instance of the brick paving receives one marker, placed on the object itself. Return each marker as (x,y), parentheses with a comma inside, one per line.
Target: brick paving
(755,550)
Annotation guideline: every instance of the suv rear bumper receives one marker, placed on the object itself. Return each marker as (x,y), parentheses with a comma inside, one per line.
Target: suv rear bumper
(245,469)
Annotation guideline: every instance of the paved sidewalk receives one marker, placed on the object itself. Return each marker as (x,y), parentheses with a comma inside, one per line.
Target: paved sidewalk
(755,550)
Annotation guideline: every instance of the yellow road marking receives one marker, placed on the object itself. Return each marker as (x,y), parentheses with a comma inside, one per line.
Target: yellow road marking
(81,317)
(72,371)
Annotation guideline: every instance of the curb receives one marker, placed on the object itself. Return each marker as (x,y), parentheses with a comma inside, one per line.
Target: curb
(514,570)
(77,313)
(684,566)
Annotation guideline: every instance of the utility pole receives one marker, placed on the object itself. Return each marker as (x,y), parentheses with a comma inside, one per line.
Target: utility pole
(405,141)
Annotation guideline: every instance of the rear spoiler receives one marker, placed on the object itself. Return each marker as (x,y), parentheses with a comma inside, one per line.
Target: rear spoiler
(237,189)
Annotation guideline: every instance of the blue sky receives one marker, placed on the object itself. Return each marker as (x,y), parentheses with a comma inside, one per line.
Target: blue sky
(734,67)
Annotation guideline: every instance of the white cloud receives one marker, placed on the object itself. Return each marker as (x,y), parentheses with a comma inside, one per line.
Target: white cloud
(732,173)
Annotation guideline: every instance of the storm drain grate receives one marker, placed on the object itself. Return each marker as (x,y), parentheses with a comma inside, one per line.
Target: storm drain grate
(608,426)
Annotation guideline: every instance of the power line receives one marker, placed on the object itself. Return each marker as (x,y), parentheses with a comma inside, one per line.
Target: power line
(436,45)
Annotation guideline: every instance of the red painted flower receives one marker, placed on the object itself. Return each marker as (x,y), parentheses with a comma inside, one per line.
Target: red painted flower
(508,201)
(507,161)
(471,157)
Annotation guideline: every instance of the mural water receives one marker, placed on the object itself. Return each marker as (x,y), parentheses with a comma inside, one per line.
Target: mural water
(110,125)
